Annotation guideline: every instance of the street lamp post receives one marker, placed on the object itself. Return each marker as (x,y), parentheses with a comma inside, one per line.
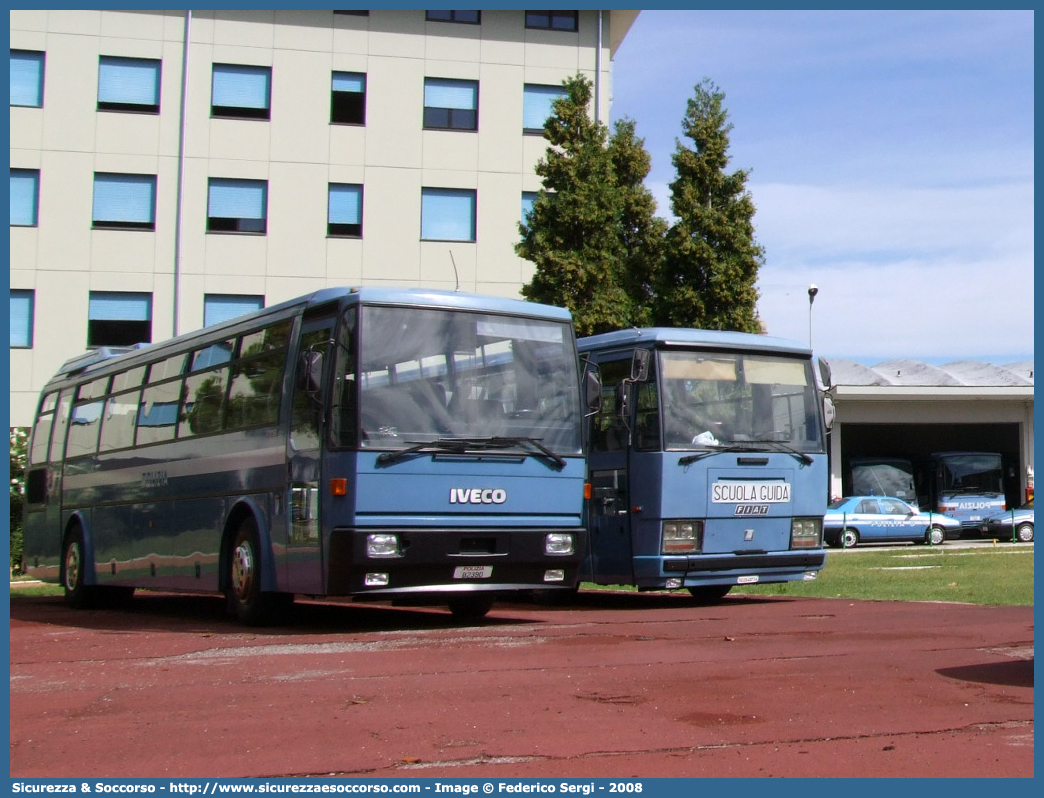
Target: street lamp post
(812,291)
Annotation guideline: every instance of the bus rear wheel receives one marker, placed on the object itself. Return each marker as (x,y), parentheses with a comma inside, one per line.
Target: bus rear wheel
(471,607)
(708,594)
(246,601)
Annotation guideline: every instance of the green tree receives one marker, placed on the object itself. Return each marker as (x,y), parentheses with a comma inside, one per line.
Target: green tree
(573,233)
(711,261)
(19,442)
(642,232)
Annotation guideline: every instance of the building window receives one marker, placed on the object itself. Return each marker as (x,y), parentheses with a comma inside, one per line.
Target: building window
(528,200)
(552,20)
(128,84)
(344,213)
(348,98)
(237,206)
(448,214)
(537,106)
(241,92)
(22,311)
(223,307)
(116,318)
(464,17)
(27,76)
(450,104)
(124,201)
(25,197)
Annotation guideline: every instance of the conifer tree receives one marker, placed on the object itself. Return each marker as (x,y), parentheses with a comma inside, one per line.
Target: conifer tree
(711,260)
(573,232)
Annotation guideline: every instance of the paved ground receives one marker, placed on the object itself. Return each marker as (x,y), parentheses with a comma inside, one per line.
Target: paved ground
(616,686)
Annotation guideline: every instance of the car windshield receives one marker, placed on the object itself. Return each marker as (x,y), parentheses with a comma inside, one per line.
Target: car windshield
(749,401)
(437,376)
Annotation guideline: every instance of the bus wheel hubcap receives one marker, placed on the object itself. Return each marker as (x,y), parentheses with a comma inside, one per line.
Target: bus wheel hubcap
(72,567)
(242,570)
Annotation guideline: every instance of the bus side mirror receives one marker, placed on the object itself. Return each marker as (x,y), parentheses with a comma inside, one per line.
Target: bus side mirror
(828,412)
(593,388)
(640,365)
(824,374)
(310,372)
(623,391)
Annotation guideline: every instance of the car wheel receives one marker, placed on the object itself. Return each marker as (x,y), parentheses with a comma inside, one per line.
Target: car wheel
(1024,533)
(935,536)
(849,538)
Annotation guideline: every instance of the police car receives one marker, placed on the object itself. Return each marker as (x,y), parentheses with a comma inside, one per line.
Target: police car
(999,525)
(858,519)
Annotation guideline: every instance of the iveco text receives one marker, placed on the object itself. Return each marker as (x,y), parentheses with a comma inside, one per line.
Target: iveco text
(477,496)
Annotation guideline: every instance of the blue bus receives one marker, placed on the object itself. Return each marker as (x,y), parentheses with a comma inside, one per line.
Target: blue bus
(412,445)
(707,461)
(968,486)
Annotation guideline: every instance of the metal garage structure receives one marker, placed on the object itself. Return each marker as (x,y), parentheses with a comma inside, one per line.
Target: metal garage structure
(906,408)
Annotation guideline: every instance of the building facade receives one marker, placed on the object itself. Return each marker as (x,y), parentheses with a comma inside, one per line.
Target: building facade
(171,169)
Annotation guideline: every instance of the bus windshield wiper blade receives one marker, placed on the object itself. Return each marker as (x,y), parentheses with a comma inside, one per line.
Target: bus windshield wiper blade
(472,446)
(782,447)
(497,442)
(689,459)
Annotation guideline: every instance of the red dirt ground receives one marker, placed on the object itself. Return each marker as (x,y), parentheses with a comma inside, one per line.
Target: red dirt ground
(615,686)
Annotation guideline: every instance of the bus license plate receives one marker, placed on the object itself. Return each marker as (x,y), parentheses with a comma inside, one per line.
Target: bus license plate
(473,572)
(747,580)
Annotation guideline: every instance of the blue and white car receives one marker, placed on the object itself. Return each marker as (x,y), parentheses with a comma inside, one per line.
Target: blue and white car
(872,519)
(1000,525)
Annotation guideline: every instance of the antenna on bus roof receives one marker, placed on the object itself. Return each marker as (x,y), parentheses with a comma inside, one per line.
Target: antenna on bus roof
(455,275)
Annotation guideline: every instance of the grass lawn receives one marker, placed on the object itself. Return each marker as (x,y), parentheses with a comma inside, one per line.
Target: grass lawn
(994,575)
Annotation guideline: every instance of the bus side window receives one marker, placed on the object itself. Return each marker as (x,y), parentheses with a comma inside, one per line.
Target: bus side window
(61,417)
(608,430)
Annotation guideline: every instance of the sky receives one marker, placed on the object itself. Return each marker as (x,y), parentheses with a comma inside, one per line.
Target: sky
(890,159)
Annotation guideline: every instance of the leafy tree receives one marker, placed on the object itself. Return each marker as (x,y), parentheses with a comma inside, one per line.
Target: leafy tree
(19,442)
(711,261)
(642,232)
(573,232)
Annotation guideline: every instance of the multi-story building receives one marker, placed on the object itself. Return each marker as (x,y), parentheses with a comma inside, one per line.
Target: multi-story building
(170,169)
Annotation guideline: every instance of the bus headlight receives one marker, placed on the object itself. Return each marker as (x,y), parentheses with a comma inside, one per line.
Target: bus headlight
(681,537)
(383,545)
(806,533)
(558,543)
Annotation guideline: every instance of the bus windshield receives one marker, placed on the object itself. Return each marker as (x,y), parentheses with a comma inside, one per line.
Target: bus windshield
(431,375)
(972,473)
(754,401)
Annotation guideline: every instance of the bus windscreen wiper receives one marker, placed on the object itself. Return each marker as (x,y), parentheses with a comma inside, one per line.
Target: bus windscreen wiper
(473,446)
(782,447)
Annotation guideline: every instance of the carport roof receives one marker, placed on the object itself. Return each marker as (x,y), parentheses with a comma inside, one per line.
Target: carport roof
(959,374)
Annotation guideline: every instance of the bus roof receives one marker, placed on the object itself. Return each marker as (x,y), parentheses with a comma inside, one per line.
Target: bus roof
(96,359)
(686,338)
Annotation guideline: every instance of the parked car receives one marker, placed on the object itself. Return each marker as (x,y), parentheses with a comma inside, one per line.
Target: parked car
(999,525)
(855,519)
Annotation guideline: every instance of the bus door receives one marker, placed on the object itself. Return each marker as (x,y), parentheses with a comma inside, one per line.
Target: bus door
(610,551)
(304,555)
(43,519)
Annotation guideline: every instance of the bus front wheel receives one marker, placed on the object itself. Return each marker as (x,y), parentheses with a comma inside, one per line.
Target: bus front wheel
(246,601)
(74,564)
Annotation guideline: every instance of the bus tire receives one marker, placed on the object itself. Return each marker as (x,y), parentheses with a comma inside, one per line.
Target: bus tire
(935,536)
(470,607)
(709,594)
(74,565)
(849,539)
(1024,533)
(246,601)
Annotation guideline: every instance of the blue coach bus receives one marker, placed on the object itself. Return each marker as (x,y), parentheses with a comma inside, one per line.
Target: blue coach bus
(404,444)
(707,461)
(968,486)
